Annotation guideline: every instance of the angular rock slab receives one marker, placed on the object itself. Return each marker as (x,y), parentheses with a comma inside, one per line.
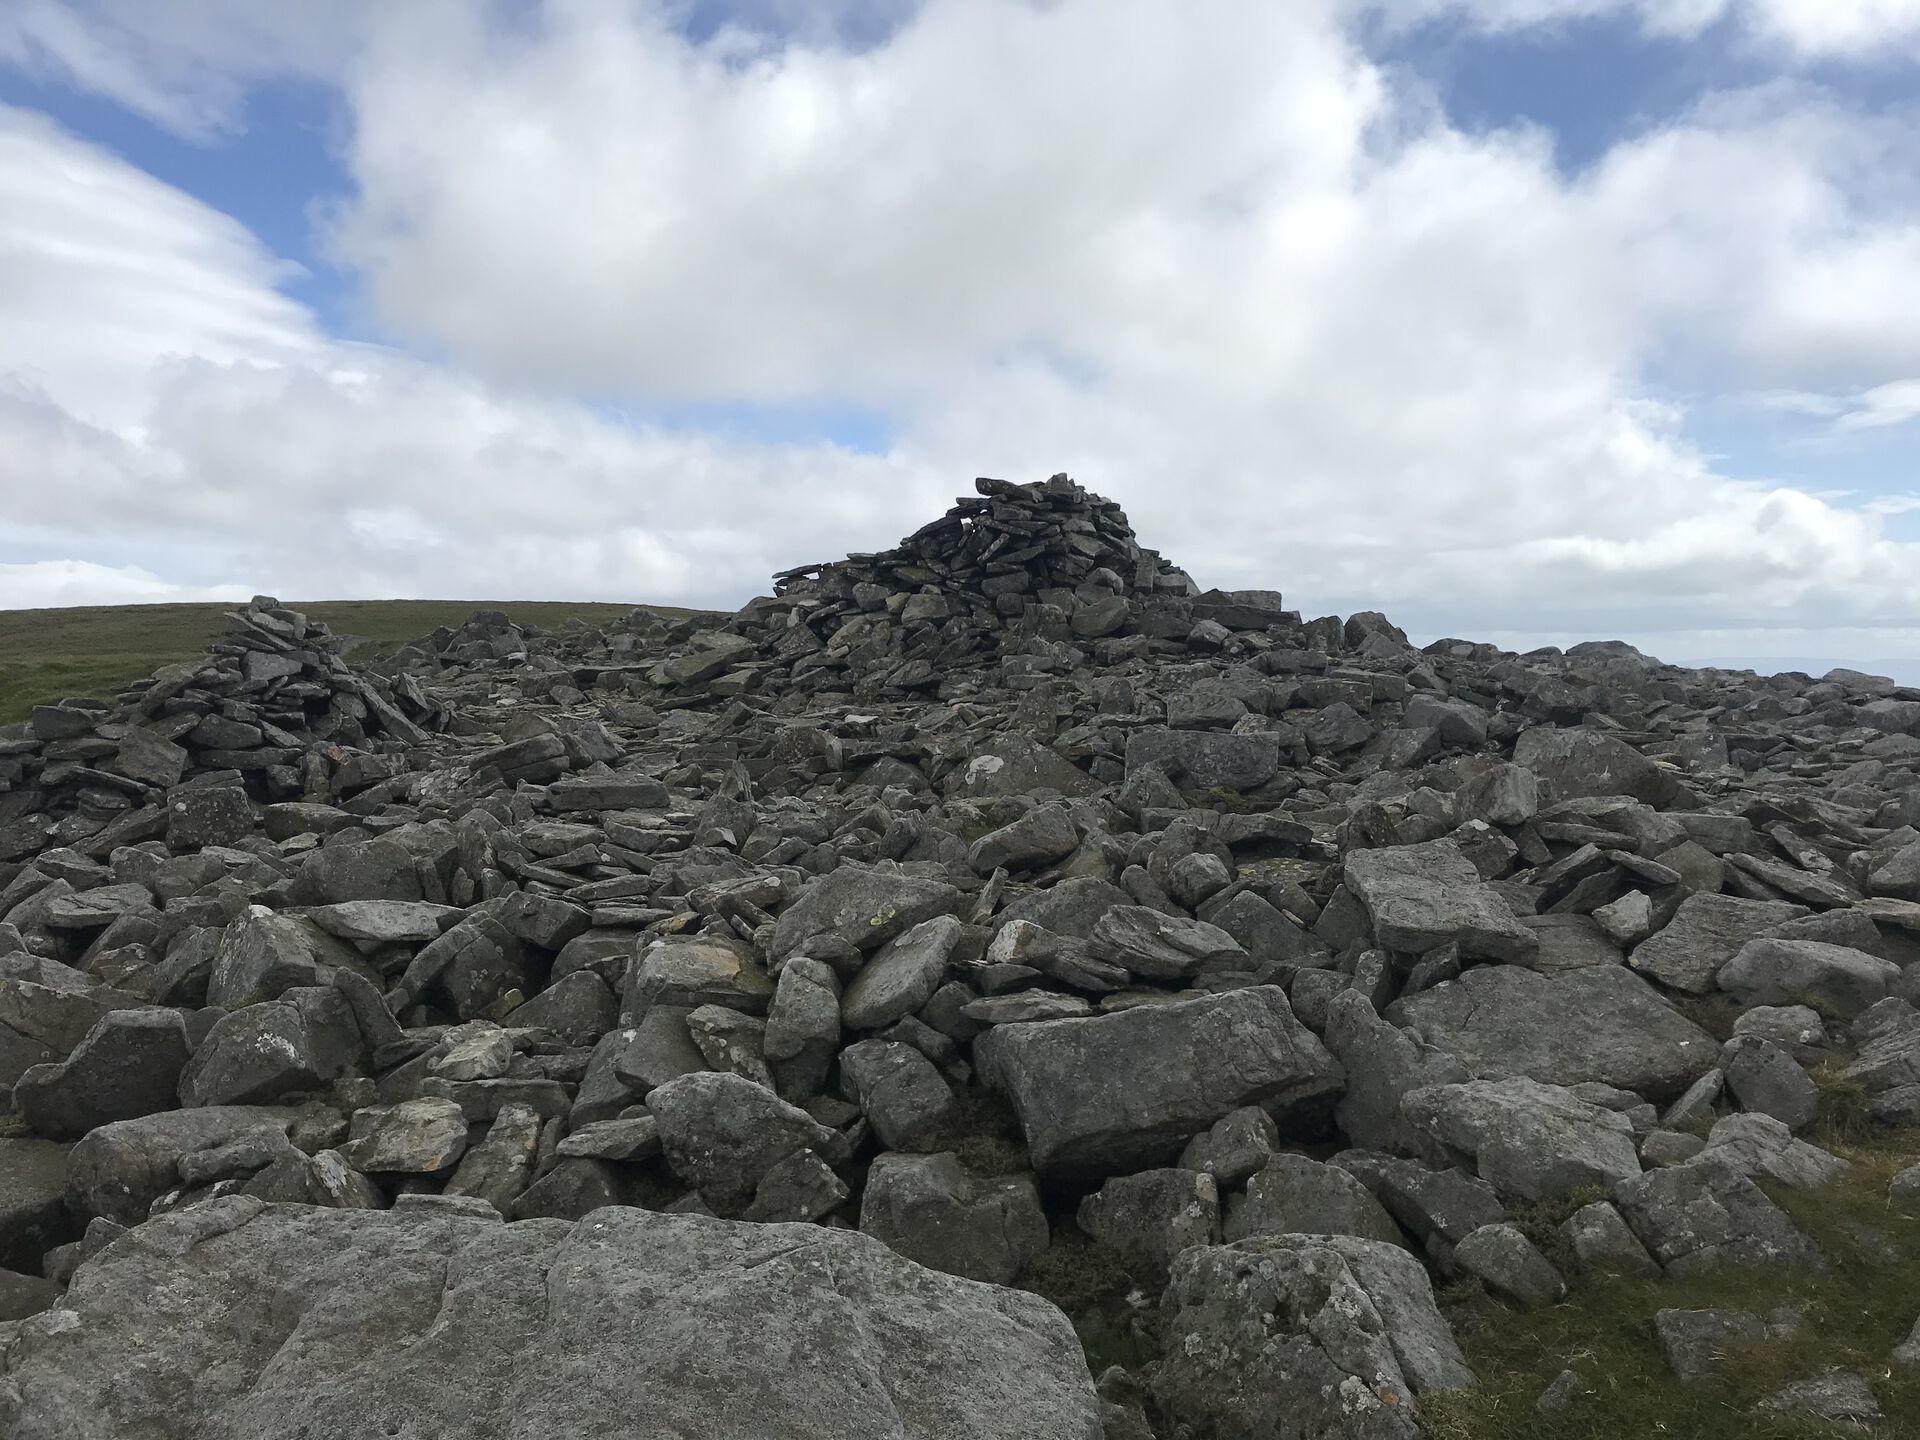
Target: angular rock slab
(1111,1094)
(1602,1023)
(1705,933)
(276,1322)
(1421,896)
(1302,1335)
(1527,1139)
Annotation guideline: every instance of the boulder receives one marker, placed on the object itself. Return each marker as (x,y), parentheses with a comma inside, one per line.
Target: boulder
(902,976)
(860,907)
(334,1321)
(119,1170)
(1154,1215)
(128,1065)
(1705,933)
(1309,1335)
(1297,1195)
(1422,896)
(1524,1138)
(1693,1218)
(931,1209)
(1835,979)
(300,1042)
(721,1133)
(1581,763)
(1602,1024)
(1109,1094)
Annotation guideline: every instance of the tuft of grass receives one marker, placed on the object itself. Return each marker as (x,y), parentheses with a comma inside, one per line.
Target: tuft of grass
(95,650)
(1854,1314)
(1113,1306)
(987,1136)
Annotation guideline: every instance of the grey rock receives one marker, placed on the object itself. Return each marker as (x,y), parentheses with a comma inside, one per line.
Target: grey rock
(1422,896)
(1705,933)
(900,1093)
(1694,1218)
(693,970)
(1525,1138)
(119,1170)
(1435,1205)
(1500,795)
(636,1138)
(864,908)
(1236,1145)
(1583,763)
(544,1328)
(1696,1343)
(1601,1240)
(1836,978)
(902,976)
(128,1065)
(1596,1024)
(300,1042)
(658,1049)
(721,1133)
(1839,1397)
(1308,1335)
(1205,760)
(499,1168)
(801,1187)
(578,1007)
(263,954)
(1763,1147)
(1114,1093)
(1163,947)
(1297,1195)
(1154,1215)
(930,1209)
(415,1137)
(1509,1264)
(386,921)
(1763,1077)
(1382,1063)
(1569,942)
(803,1027)
(1038,838)
(728,1040)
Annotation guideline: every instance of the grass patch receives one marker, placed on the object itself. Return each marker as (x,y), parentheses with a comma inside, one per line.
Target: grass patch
(96,650)
(1114,1309)
(987,1136)
(1854,1316)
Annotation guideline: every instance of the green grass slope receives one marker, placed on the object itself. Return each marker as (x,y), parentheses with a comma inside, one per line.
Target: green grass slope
(94,650)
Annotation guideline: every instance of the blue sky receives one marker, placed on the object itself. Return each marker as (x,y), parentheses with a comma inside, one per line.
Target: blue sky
(1558,317)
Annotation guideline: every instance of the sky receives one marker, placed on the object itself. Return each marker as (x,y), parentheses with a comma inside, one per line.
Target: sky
(1528,321)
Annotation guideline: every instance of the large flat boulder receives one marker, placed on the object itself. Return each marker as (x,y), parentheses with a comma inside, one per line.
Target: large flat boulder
(1601,1023)
(1206,759)
(282,1321)
(1581,764)
(119,1170)
(1422,896)
(1524,1138)
(1110,1094)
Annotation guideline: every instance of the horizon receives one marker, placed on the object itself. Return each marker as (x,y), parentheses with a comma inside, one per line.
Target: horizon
(1526,321)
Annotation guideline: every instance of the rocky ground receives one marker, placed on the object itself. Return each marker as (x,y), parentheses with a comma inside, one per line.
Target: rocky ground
(989,988)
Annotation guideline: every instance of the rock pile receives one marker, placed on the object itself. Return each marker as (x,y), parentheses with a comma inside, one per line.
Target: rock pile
(1275,968)
(271,711)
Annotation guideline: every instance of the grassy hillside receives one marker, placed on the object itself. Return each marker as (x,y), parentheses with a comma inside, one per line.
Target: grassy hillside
(94,650)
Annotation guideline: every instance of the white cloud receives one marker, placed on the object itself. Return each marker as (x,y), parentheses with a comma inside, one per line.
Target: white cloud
(1894,403)
(1799,29)
(183,64)
(1210,260)
(42,584)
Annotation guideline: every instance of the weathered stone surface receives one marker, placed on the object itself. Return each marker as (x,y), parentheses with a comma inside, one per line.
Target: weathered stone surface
(722,1133)
(1600,1024)
(931,1209)
(1422,896)
(1204,760)
(1696,1343)
(1697,1217)
(1705,933)
(1511,1265)
(698,970)
(900,1093)
(1837,978)
(1580,763)
(541,1328)
(1113,1093)
(1525,1138)
(1154,1215)
(415,1137)
(128,1065)
(1310,1335)
(298,1043)
(902,976)
(120,1169)
(864,908)
(1293,1194)
(1235,1147)
(1163,947)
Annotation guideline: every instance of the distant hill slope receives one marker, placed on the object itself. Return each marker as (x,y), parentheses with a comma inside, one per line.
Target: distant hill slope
(93,650)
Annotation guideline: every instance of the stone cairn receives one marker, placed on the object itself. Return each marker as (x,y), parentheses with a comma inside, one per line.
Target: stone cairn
(988,928)
(272,710)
